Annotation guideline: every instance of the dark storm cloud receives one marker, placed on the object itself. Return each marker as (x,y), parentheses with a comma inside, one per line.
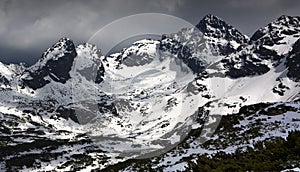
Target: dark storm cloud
(29,27)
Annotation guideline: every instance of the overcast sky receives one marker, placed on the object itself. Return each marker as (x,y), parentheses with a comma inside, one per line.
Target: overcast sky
(29,27)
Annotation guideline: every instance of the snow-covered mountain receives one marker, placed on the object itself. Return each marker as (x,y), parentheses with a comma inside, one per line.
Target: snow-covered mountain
(156,105)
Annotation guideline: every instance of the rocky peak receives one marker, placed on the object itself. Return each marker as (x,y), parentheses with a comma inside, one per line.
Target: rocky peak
(275,32)
(213,26)
(59,49)
(55,65)
(89,63)
(285,20)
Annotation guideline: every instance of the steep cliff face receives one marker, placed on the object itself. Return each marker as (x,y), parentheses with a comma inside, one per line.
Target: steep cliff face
(54,65)
(293,62)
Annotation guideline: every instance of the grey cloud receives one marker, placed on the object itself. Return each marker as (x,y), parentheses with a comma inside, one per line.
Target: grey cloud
(29,27)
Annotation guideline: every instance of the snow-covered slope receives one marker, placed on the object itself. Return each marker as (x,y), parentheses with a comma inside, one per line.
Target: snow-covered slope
(150,94)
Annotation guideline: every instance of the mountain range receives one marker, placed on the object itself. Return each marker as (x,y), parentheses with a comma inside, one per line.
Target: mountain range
(192,100)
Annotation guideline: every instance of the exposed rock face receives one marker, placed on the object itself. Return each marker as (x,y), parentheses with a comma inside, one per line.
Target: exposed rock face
(3,80)
(293,62)
(215,27)
(267,47)
(275,32)
(54,65)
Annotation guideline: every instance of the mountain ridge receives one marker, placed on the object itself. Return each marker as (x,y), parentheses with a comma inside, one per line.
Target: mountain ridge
(158,100)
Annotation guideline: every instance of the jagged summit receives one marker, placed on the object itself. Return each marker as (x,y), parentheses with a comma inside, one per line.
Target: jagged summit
(58,61)
(63,46)
(55,64)
(208,42)
(288,20)
(212,20)
(88,62)
(274,32)
(214,26)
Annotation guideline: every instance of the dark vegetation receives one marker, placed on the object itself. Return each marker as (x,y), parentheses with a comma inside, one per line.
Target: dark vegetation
(272,155)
